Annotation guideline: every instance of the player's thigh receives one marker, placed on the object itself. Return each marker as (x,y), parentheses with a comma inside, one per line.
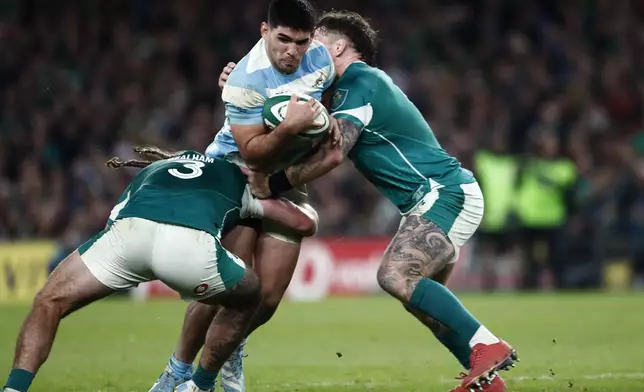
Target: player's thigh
(278,250)
(118,256)
(275,262)
(241,239)
(429,238)
(419,249)
(71,286)
(194,263)
(457,210)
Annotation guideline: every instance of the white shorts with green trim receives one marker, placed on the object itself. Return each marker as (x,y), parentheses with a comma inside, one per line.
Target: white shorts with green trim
(135,250)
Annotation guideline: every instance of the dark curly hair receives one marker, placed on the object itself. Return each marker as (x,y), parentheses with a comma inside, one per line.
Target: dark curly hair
(294,14)
(355,28)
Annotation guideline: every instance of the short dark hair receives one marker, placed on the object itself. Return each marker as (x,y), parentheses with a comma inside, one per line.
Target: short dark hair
(354,28)
(294,14)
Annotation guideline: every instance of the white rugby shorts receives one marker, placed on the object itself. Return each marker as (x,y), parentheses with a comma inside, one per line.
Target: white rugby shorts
(135,250)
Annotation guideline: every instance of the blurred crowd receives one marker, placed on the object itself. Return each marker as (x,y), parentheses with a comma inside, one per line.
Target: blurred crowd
(542,99)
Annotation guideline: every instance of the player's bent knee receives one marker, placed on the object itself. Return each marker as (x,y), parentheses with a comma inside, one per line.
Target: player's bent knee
(387,280)
(395,282)
(271,298)
(201,311)
(265,312)
(273,292)
(268,306)
(56,295)
(245,294)
(52,301)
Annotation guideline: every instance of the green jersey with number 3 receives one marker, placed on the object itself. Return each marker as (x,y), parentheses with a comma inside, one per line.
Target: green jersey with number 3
(397,150)
(191,190)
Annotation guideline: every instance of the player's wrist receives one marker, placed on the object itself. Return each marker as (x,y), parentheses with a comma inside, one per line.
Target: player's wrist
(279,183)
(288,128)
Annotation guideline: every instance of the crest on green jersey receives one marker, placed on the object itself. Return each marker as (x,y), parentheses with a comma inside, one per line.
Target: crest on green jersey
(338,98)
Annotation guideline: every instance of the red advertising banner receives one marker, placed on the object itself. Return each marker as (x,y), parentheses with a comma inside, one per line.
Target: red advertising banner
(337,267)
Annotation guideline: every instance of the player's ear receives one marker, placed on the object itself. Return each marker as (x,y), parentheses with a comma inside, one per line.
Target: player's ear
(263,30)
(340,46)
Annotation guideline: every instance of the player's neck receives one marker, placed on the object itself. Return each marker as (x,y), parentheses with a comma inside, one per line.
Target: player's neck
(342,64)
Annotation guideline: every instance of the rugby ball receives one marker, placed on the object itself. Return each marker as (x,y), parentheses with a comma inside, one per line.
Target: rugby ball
(275,109)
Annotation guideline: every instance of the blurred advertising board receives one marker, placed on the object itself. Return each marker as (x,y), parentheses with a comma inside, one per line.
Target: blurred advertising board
(23,269)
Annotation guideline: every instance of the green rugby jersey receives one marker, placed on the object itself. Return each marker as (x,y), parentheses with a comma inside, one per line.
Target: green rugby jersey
(191,190)
(397,150)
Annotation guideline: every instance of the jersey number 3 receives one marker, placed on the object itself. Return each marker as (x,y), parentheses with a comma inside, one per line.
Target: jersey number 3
(193,166)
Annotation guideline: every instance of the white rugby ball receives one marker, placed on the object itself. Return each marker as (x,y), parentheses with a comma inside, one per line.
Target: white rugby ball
(275,109)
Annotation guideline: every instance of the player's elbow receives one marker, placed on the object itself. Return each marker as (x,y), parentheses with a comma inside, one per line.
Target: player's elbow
(252,147)
(252,159)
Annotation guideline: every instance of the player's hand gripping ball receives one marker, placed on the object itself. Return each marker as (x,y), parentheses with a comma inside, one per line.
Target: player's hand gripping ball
(275,111)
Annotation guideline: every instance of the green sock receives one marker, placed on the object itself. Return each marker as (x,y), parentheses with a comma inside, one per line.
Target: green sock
(436,301)
(461,351)
(204,379)
(20,380)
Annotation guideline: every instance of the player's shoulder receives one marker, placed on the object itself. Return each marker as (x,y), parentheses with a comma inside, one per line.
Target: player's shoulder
(355,88)
(359,78)
(246,84)
(365,73)
(248,73)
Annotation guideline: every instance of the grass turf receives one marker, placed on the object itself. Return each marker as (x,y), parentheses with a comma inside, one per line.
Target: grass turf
(571,342)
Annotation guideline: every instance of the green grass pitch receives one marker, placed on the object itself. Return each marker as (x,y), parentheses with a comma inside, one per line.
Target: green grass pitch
(572,342)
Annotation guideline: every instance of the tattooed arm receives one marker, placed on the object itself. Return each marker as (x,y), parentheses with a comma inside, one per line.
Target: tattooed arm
(326,158)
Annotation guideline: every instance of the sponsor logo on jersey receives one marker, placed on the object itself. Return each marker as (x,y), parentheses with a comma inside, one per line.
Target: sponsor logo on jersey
(319,83)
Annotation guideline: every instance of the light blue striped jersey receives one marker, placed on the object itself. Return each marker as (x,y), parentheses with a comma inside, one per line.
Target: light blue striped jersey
(254,80)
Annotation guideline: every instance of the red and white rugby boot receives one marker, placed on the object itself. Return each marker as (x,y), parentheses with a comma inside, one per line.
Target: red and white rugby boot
(486,360)
(495,384)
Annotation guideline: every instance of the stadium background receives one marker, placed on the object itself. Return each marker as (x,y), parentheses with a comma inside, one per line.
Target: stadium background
(541,99)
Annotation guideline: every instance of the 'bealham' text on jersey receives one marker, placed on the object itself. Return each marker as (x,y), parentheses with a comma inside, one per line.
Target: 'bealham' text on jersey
(191,190)
(397,150)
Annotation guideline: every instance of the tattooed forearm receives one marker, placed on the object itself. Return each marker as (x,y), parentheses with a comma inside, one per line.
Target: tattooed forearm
(419,250)
(350,133)
(315,166)
(327,157)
